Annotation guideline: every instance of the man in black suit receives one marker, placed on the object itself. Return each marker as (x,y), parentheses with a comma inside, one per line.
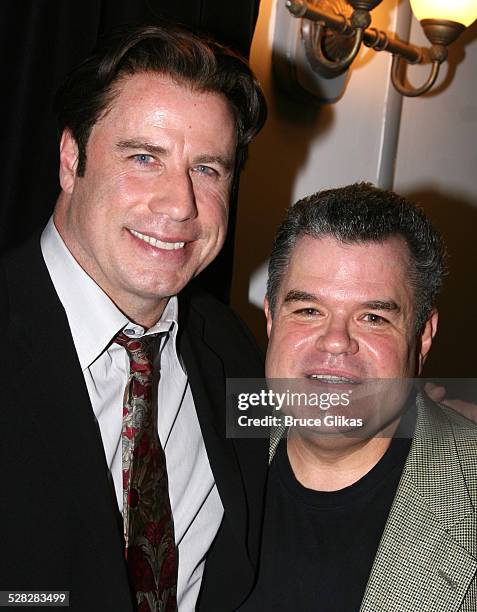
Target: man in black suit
(155,129)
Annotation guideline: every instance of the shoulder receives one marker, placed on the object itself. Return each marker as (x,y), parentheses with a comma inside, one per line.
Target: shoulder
(445,422)
(22,276)
(464,432)
(23,263)
(4,297)
(208,306)
(202,315)
(24,256)
(216,316)
(446,442)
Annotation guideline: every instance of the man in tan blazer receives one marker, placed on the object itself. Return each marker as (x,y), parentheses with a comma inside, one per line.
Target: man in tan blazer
(371,501)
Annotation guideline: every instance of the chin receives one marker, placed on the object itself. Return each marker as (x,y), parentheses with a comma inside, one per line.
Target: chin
(154,287)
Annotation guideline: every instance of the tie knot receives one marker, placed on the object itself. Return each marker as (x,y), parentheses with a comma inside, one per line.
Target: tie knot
(139,350)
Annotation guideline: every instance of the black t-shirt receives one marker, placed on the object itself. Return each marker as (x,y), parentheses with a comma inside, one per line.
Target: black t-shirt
(318,547)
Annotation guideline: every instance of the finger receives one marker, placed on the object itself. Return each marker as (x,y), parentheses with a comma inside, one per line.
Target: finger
(435,392)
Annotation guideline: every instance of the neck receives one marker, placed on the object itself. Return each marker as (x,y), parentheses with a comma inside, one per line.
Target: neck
(137,313)
(142,316)
(330,464)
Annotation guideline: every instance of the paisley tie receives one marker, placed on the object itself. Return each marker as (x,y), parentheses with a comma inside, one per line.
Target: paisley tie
(148,525)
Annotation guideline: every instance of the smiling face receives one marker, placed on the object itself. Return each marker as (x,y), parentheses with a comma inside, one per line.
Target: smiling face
(344,314)
(151,210)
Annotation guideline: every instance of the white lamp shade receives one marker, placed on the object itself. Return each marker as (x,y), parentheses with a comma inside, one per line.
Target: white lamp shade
(460,11)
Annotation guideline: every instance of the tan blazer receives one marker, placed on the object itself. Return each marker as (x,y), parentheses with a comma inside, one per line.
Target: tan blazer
(427,557)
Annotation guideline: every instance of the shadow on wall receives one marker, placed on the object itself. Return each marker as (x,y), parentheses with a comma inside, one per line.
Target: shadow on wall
(266,190)
(453,354)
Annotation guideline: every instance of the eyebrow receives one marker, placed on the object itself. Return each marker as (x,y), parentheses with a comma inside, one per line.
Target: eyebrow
(382,305)
(299,296)
(141,144)
(303,296)
(226,162)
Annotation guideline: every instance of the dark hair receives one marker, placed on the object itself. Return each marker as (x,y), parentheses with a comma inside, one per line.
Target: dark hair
(205,65)
(363,213)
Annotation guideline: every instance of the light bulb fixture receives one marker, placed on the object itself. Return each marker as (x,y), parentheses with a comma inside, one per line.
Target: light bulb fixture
(333,32)
(460,11)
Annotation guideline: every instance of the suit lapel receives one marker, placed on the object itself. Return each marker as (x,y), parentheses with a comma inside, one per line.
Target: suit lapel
(56,398)
(427,556)
(207,379)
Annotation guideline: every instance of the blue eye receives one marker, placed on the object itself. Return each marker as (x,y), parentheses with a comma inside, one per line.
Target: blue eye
(207,170)
(143,158)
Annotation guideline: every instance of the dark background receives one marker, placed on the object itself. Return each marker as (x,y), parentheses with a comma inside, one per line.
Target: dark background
(41,41)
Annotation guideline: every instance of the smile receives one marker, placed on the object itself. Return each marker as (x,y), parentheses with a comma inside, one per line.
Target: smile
(159,244)
(334,380)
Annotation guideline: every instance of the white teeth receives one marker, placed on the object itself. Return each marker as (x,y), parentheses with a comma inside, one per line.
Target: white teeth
(333,379)
(170,246)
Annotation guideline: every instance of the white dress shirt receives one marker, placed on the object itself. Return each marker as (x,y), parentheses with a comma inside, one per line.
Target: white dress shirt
(94,320)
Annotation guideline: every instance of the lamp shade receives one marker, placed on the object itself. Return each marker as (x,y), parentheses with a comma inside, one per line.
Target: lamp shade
(460,11)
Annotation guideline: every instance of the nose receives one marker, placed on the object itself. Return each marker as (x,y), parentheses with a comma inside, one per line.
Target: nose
(336,338)
(174,196)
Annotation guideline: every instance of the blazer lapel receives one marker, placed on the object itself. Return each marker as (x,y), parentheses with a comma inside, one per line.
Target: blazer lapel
(207,379)
(427,556)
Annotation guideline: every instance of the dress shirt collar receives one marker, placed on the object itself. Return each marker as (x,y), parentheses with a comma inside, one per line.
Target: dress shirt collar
(93,317)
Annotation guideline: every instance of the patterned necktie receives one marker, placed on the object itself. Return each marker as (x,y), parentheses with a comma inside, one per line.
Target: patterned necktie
(148,526)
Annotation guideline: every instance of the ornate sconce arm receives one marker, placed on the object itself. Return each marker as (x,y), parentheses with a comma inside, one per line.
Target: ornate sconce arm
(398,79)
(441,34)
(316,20)
(332,40)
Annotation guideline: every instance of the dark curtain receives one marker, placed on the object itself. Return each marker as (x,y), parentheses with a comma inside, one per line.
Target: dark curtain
(41,41)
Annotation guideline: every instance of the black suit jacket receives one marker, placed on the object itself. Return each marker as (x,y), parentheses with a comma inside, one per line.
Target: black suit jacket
(60,526)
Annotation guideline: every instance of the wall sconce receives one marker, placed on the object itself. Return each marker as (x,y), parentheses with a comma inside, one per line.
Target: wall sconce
(332,36)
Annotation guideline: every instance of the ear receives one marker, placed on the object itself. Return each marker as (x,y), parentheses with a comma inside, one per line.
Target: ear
(425,341)
(68,161)
(268,314)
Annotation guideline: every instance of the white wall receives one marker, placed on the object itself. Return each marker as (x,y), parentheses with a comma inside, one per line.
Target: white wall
(307,147)
(437,166)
